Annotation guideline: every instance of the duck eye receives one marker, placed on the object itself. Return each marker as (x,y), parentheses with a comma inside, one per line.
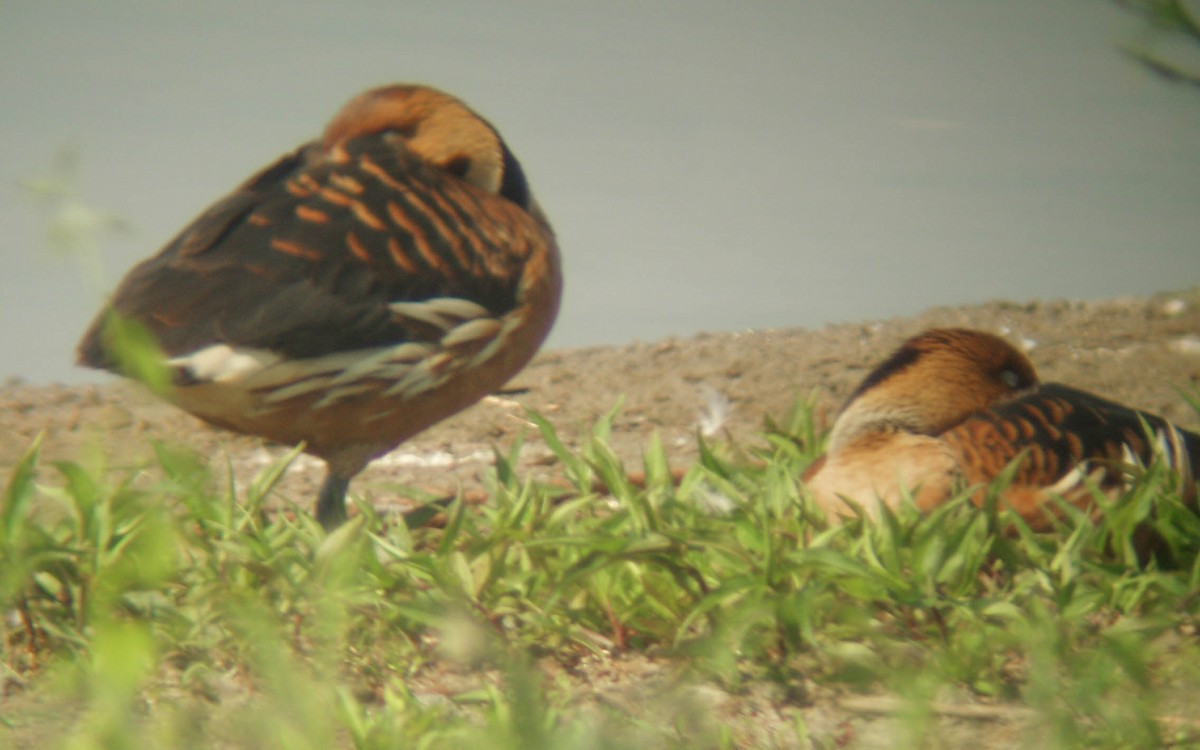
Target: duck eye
(406,131)
(1010,378)
(459,166)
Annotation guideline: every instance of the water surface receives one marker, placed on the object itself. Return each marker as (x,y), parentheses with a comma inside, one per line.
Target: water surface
(708,166)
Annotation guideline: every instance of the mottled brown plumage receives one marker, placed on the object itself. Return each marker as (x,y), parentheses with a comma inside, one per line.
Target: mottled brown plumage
(952,408)
(356,291)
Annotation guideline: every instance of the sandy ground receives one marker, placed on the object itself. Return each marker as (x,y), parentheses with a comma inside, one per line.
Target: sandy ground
(1138,351)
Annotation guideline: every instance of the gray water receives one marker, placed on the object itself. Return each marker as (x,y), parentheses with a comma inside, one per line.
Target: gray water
(708,166)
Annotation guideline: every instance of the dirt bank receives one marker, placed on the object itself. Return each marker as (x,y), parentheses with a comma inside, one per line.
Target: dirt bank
(1140,351)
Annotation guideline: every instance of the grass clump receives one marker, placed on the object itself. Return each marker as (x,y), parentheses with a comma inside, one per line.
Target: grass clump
(662,610)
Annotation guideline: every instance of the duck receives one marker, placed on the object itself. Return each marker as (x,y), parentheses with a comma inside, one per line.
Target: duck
(954,409)
(359,289)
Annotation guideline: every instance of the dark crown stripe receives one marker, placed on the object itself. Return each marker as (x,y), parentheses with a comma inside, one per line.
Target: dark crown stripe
(901,360)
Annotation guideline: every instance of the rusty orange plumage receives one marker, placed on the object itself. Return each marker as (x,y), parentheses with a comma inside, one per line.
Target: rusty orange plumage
(953,408)
(356,291)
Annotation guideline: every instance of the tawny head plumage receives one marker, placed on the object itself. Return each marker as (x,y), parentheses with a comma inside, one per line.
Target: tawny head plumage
(436,126)
(933,381)
(356,291)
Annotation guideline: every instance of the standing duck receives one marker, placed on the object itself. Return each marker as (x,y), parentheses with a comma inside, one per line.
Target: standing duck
(358,290)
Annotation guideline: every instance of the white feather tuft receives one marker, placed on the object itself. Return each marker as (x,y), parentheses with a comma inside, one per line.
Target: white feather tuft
(222,363)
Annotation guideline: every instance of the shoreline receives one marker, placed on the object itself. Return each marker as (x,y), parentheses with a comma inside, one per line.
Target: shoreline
(1139,351)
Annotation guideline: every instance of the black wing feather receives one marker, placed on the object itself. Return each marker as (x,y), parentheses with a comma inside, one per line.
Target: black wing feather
(224,279)
(1075,424)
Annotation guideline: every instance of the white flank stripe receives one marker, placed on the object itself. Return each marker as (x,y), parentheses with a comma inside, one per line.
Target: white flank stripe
(371,361)
(1069,481)
(410,353)
(391,372)
(420,311)
(418,374)
(474,330)
(380,415)
(463,309)
(426,385)
(488,351)
(302,388)
(301,369)
(337,394)
(440,312)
